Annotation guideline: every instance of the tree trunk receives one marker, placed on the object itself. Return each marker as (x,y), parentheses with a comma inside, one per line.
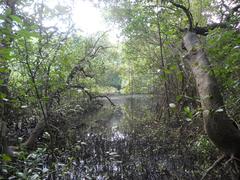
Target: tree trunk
(38,130)
(5,43)
(3,139)
(221,130)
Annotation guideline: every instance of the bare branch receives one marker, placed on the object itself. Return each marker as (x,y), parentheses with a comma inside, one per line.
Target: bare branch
(204,30)
(224,24)
(187,12)
(78,86)
(217,162)
(103,96)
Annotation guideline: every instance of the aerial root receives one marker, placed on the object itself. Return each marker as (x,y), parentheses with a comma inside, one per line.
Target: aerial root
(230,159)
(218,161)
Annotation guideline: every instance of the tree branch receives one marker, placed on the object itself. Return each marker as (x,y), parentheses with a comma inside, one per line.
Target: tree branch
(103,96)
(217,162)
(187,12)
(204,30)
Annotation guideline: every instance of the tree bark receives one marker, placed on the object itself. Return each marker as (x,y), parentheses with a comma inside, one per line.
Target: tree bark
(221,130)
(38,130)
(5,43)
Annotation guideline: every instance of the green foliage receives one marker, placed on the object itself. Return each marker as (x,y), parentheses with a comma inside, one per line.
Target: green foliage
(55,70)
(203,145)
(6,158)
(224,51)
(107,70)
(111,79)
(188,113)
(28,166)
(223,48)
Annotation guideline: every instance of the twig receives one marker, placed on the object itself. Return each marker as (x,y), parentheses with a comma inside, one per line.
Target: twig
(231,159)
(103,96)
(218,161)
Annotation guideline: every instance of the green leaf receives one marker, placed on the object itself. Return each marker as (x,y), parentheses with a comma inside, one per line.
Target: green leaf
(2,17)
(188,112)
(16,19)
(173,67)
(2,95)
(11,177)
(4,171)
(35,176)
(27,34)
(5,52)
(21,175)
(6,158)
(187,109)
(219,110)
(24,33)
(167,71)
(178,98)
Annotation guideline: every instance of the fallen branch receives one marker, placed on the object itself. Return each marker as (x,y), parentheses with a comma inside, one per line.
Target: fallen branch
(218,161)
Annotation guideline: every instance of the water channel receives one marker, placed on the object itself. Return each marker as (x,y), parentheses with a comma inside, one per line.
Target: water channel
(117,145)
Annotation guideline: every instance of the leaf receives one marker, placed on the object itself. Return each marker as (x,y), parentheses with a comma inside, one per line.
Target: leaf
(113,154)
(167,71)
(35,176)
(32,156)
(4,171)
(83,143)
(187,109)
(24,106)
(178,98)
(46,135)
(77,147)
(219,110)
(173,67)
(5,99)
(2,17)
(21,175)
(61,164)
(172,105)
(24,33)
(6,158)
(5,53)
(45,170)
(27,34)
(188,112)
(118,162)
(2,95)
(16,19)
(12,177)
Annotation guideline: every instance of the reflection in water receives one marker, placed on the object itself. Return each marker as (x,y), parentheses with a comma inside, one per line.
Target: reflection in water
(115,146)
(116,134)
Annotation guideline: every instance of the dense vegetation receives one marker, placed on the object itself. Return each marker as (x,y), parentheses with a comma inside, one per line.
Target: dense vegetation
(81,107)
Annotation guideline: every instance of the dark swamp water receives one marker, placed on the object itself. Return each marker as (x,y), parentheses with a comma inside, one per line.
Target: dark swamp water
(121,143)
